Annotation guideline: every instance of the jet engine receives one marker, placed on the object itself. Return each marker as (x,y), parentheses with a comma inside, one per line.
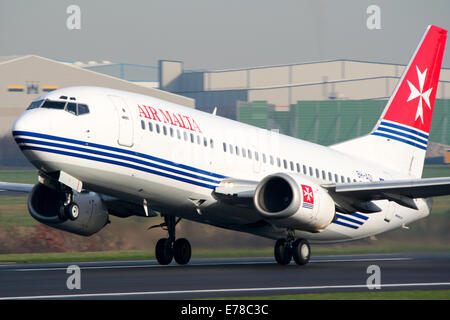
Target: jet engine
(293,201)
(44,205)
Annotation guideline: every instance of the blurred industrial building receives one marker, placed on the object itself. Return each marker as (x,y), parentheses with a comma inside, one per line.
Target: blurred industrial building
(323,102)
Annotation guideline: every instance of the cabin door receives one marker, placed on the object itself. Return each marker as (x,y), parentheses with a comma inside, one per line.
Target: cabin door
(125,128)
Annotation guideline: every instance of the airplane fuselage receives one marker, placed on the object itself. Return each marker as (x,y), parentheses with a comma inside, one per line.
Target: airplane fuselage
(139,147)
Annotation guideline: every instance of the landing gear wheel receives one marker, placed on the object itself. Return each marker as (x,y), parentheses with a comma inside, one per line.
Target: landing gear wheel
(72,211)
(301,251)
(283,252)
(182,251)
(164,251)
(169,248)
(62,211)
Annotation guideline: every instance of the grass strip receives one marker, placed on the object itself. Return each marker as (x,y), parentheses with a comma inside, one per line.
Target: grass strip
(199,253)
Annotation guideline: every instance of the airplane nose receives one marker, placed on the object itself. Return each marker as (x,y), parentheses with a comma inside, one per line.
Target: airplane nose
(25,130)
(25,122)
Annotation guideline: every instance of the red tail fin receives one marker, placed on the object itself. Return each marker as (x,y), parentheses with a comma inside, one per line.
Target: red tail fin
(400,138)
(413,99)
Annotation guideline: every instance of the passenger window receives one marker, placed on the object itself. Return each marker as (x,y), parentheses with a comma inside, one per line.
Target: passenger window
(157,128)
(198,139)
(237,150)
(336,178)
(292,166)
(349,180)
(271,160)
(82,109)
(317,173)
(342,179)
(142,121)
(231,149)
(205,142)
(330,176)
(243,152)
(298,167)
(192,138)
(256,156)
(165,130)
(285,163)
(178,134)
(185,136)
(304,169)
(171,132)
(311,171)
(211,143)
(150,126)
(279,162)
(224,147)
(324,175)
(264,157)
(249,154)
(72,108)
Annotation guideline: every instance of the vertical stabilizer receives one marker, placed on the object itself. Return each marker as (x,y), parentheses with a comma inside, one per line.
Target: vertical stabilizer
(399,139)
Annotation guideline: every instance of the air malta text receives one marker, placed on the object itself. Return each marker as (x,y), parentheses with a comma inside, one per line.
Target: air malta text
(175,119)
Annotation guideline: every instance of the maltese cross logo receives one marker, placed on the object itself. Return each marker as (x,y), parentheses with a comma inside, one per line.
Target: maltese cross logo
(308,197)
(419,93)
(307,193)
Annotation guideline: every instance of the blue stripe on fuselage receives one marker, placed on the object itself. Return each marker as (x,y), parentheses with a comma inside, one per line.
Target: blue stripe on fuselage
(109,148)
(116,156)
(119,163)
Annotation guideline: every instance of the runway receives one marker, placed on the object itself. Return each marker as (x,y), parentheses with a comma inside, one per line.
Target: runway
(227,277)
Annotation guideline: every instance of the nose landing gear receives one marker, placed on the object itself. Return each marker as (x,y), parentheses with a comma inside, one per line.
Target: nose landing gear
(69,209)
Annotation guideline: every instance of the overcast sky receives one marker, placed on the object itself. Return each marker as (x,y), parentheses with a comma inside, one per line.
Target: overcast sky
(208,34)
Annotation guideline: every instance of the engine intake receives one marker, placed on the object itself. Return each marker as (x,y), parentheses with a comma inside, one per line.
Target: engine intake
(293,201)
(44,204)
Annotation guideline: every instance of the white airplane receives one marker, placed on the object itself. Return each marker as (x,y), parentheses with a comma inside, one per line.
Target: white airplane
(104,152)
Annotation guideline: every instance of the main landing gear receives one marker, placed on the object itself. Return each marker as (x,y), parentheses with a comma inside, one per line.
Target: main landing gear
(286,249)
(168,248)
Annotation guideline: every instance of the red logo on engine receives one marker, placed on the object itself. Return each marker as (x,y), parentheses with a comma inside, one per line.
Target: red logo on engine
(308,197)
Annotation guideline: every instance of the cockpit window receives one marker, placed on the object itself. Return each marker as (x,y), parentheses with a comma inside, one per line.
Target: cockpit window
(35,104)
(71,107)
(54,104)
(82,109)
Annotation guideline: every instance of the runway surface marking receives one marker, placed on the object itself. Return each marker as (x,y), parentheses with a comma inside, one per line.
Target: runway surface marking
(198,264)
(233,290)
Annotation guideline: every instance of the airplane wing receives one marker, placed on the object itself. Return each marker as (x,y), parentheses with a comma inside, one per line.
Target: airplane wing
(402,192)
(413,188)
(116,206)
(349,197)
(236,192)
(6,188)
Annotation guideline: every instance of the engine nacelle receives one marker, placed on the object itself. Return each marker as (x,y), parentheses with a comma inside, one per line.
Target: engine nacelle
(44,204)
(292,201)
